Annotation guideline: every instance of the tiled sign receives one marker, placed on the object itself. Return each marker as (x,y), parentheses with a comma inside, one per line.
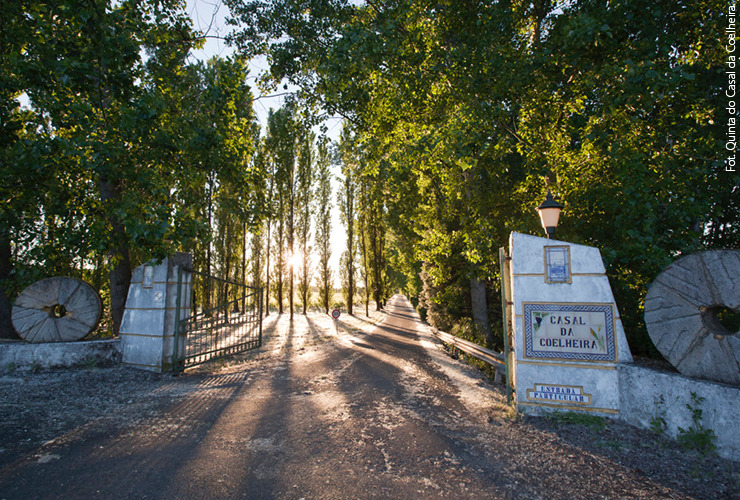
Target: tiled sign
(583,332)
(557,264)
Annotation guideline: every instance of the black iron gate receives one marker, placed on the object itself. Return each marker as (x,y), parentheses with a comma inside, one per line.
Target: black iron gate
(215,318)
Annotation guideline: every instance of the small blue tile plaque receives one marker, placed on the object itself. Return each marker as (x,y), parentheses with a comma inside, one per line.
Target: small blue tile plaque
(557,264)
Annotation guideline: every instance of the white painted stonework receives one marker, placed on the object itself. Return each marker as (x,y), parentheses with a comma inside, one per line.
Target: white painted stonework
(149,320)
(566,353)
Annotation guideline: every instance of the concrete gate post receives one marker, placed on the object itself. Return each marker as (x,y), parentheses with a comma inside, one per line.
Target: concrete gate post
(150,318)
(568,335)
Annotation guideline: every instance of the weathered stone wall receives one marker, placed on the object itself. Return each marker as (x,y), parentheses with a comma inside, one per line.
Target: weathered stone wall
(16,355)
(646,395)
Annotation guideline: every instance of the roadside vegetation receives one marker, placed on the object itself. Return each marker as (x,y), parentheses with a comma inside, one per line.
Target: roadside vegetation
(117,147)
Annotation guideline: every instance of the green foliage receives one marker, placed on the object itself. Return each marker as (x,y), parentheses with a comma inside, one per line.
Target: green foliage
(459,116)
(126,153)
(594,422)
(280,147)
(657,424)
(467,112)
(90,135)
(697,437)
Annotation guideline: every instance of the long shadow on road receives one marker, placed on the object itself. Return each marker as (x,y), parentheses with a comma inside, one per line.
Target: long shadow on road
(127,454)
(365,415)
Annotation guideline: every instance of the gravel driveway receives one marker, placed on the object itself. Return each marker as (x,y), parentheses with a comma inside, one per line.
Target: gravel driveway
(323,410)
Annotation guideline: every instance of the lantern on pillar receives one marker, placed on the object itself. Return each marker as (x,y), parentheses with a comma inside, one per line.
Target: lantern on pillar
(549,214)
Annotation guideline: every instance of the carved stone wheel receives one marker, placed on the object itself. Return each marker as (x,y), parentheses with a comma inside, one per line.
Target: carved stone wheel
(56,310)
(684,312)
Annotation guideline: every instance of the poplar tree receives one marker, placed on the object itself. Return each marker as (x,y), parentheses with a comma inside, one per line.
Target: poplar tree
(362,228)
(348,156)
(304,201)
(280,144)
(323,222)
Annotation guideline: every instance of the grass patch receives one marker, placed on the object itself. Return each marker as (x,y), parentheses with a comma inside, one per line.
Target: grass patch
(507,412)
(593,422)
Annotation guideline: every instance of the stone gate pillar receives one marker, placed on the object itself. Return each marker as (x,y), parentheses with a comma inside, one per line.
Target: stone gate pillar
(149,320)
(568,336)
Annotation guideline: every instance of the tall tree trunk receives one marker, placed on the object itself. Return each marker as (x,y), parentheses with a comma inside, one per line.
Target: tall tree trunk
(267,272)
(305,278)
(478,304)
(207,270)
(480,308)
(350,267)
(365,263)
(381,256)
(120,260)
(227,253)
(6,326)
(377,263)
(378,268)
(324,242)
(120,279)
(244,264)
(280,263)
(291,244)
(541,8)
(328,289)
(350,245)
(256,263)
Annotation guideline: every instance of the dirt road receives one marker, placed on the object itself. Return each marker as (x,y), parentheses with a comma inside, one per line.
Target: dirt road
(322,411)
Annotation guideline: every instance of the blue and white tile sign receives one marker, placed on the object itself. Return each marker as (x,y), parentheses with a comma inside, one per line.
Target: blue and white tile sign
(567,336)
(558,394)
(557,264)
(582,332)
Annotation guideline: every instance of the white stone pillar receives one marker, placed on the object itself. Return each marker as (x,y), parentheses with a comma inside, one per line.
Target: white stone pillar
(149,320)
(568,336)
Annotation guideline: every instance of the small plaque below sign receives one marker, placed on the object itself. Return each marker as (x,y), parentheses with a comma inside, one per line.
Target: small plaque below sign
(148,277)
(569,332)
(558,394)
(557,264)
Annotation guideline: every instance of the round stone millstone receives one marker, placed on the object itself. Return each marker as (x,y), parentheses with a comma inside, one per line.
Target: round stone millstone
(681,314)
(58,309)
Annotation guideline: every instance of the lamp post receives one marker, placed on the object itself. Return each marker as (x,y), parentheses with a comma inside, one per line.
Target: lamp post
(549,214)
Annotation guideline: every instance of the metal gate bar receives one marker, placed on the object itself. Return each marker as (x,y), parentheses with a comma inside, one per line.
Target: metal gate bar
(224,318)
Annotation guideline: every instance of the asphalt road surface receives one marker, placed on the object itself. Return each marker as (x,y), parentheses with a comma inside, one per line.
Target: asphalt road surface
(377,412)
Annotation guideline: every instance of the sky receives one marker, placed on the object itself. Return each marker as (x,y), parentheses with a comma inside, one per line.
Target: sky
(209,17)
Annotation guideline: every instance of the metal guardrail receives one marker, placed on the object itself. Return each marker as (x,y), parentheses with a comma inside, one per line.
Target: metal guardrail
(494,359)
